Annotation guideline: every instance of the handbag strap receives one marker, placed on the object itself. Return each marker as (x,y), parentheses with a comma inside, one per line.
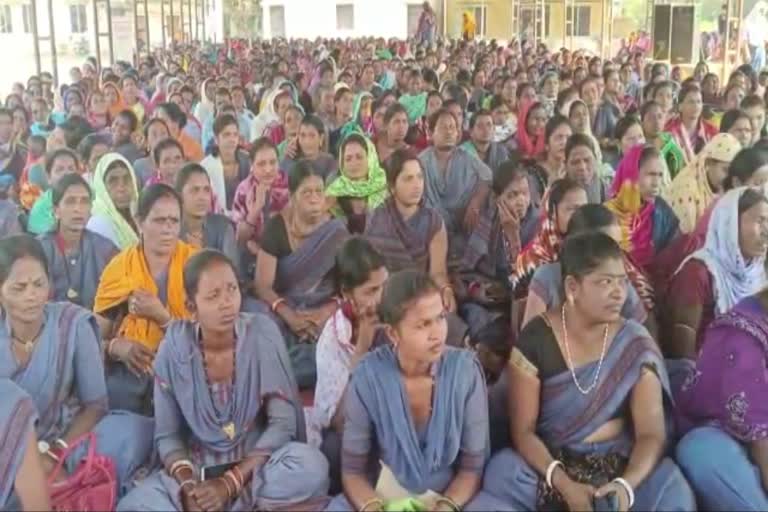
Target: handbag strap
(88,437)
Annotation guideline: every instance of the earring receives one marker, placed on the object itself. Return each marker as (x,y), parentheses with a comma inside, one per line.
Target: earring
(571,300)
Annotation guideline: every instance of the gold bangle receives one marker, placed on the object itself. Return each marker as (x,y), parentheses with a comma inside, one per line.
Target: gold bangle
(448,501)
(276,304)
(373,501)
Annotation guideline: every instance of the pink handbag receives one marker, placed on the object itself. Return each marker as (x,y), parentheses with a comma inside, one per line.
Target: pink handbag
(92,486)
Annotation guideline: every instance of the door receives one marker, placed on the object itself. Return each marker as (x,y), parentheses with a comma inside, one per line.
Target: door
(414,13)
(277,20)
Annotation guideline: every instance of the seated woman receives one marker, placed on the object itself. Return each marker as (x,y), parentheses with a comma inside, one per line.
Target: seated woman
(225,395)
(418,408)
(739,124)
(176,119)
(346,337)
(58,163)
(647,222)
(227,166)
(76,257)
(361,185)
(199,227)
(700,182)
(141,291)
(294,268)
(406,232)
(546,289)
(508,222)
(689,129)
(563,198)
(169,157)
(51,350)
(549,166)
(721,408)
(22,465)
(653,118)
(726,270)
(154,131)
(530,139)
(583,435)
(311,146)
(581,166)
(114,200)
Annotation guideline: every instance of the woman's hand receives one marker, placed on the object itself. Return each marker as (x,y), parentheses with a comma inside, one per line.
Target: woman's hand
(145,304)
(298,322)
(137,357)
(507,217)
(257,198)
(292,148)
(188,501)
(449,299)
(211,495)
(578,497)
(366,331)
(620,492)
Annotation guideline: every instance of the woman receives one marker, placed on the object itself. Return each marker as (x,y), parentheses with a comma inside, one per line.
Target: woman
(205,108)
(689,129)
(51,350)
(564,197)
(508,222)
(141,291)
(726,270)
(546,290)
(199,227)
(648,224)
(114,99)
(114,201)
(739,124)
(721,409)
(531,138)
(417,408)
(294,266)
(22,468)
(310,147)
(653,118)
(361,186)
(224,394)
(588,421)
(700,182)
(227,165)
(406,232)
(549,165)
(581,122)
(76,257)
(58,164)
(98,111)
(175,119)
(155,131)
(628,133)
(581,166)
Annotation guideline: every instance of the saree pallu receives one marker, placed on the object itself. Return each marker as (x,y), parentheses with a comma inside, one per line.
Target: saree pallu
(128,272)
(567,417)
(404,244)
(76,282)
(17,421)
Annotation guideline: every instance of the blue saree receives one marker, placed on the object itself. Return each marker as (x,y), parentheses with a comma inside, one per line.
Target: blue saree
(257,412)
(378,423)
(17,419)
(567,417)
(75,277)
(64,374)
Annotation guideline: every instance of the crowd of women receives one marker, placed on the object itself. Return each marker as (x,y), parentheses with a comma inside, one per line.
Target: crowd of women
(365,275)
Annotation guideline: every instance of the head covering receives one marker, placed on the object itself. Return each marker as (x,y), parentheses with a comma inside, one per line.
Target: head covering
(529,147)
(357,125)
(117,106)
(734,277)
(690,193)
(205,108)
(373,188)
(103,205)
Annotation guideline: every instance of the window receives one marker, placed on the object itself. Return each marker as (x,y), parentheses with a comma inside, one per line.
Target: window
(526,21)
(277,20)
(26,16)
(480,12)
(77,19)
(581,21)
(345,17)
(6,26)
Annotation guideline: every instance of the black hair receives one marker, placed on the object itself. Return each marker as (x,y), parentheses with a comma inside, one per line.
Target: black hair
(396,162)
(151,195)
(186,173)
(649,151)
(751,101)
(582,254)
(260,144)
(646,108)
(155,120)
(52,156)
(558,190)
(355,260)
(590,217)
(563,96)
(496,336)
(442,112)
(197,264)
(686,90)
(401,290)
(353,138)
(129,115)
(315,122)
(477,115)
(162,146)
(118,163)
(392,111)
(75,130)
(89,142)
(555,122)
(300,172)
(174,113)
(744,165)
(578,140)
(15,247)
(222,122)
(731,117)
(509,171)
(623,125)
(64,184)
(750,198)
(496,102)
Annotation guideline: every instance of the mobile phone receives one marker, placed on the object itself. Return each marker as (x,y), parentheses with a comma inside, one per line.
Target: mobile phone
(215,471)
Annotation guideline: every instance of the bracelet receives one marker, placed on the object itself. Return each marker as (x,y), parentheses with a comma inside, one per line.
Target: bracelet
(53,456)
(230,479)
(229,486)
(551,471)
(239,475)
(628,488)
(110,345)
(276,304)
(179,465)
(186,482)
(61,444)
(373,501)
(448,501)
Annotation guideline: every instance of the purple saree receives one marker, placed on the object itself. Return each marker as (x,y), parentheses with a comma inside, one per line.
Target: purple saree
(17,419)
(258,412)
(567,417)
